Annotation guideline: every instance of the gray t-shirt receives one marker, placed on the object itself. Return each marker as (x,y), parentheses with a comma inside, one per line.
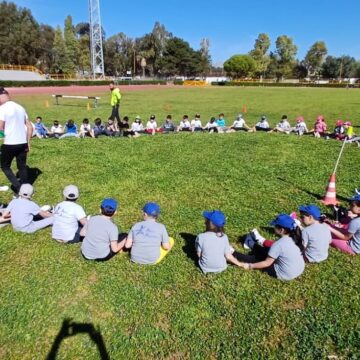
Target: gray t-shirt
(289,263)
(354,228)
(100,231)
(316,240)
(213,249)
(22,212)
(147,238)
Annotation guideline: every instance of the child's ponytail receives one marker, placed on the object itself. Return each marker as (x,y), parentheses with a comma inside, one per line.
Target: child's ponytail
(296,235)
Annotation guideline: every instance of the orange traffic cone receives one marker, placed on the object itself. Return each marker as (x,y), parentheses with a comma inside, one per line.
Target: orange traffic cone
(88,107)
(47,104)
(330,196)
(244,109)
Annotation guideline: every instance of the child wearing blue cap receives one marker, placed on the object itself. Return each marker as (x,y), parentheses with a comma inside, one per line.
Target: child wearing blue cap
(212,246)
(283,259)
(316,236)
(348,240)
(148,239)
(102,239)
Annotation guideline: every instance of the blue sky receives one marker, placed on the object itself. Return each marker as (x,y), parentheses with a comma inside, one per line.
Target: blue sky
(232,26)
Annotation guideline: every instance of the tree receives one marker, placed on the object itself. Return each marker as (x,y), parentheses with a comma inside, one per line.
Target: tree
(45,53)
(19,40)
(180,59)
(71,44)
(62,63)
(315,57)
(240,66)
(259,54)
(205,64)
(338,68)
(285,56)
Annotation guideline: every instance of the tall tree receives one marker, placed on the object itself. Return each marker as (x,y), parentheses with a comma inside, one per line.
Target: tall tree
(285,55)
(338,67)
(205,64)
(62,63)
(239,66)
(45,53)
(180,59)
(315,57)
(19,40)
(259,54)
(71,44)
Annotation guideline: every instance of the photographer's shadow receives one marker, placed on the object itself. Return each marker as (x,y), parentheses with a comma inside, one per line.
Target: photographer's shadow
(69,329)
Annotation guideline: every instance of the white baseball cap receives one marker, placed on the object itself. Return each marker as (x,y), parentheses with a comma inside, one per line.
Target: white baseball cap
(26,190)
(71,192)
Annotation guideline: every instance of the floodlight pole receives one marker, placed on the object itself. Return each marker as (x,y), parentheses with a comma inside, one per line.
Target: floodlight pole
(96,46)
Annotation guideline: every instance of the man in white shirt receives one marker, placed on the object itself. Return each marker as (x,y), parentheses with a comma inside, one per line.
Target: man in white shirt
(16,137)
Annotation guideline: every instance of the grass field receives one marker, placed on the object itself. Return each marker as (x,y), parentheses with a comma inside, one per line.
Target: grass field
(172,310)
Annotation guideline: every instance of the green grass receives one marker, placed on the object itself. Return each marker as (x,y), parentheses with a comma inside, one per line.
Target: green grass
(172,310)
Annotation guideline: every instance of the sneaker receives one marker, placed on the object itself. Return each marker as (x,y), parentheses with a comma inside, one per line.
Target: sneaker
(4,188)
(46,208)
(257,237)
(357,191)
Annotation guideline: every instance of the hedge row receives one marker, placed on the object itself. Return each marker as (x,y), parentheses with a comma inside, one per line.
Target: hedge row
(45,83)
(249,83)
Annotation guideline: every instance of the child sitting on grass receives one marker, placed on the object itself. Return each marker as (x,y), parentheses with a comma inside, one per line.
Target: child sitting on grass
(26,215)
(69,217)
(148,239)
(56,130)
(196,124)
(41,131)
(283,126)
(262,125)
(239,124)
(212,246)
(300,128)
(348,240)
(85,129)
(70,130)
(102,240)
(320,127)
(283,259)
(316,236)
(185,124)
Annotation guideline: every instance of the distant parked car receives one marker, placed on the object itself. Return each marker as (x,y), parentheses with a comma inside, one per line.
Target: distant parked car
(124,78)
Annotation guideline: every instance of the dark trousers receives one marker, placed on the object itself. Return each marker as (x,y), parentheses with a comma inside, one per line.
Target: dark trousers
(8,153)
(115,113)
(258,254)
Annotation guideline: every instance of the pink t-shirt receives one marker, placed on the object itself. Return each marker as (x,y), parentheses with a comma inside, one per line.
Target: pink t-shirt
(320,127)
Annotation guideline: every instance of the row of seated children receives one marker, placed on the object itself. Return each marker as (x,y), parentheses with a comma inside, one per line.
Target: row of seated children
(343,130)
(148,241)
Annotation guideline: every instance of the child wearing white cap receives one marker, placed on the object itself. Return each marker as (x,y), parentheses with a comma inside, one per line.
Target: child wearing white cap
(23,211)
(69,217)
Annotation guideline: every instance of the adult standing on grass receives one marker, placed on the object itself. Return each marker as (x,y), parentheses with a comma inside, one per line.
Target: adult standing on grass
(115,102)
(16,130)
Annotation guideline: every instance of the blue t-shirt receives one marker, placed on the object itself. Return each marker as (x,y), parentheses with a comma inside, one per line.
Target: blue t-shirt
(220,122)
(289,262)
(71,129)
(40,128)
(354,228)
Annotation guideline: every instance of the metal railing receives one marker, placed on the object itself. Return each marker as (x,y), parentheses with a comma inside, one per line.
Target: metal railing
(20,68)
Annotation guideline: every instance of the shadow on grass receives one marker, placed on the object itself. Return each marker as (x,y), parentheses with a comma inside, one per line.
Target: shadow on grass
(33,174)
(316,196)
(69,329)
(189,247)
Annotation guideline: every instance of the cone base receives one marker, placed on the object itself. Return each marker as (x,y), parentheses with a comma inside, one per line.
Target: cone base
(330,202)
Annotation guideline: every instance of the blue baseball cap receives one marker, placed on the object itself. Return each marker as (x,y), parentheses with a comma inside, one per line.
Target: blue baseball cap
(216,217)
(109,204)
(312,210)
(355,198)
(284,220)
(152,209)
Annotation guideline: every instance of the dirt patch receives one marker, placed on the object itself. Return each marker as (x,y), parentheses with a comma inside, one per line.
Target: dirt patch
(80,90)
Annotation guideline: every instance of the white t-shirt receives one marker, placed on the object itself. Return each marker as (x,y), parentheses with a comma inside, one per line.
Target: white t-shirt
(184,124)
(66,217)
(57,129)
(137,127)
(239,123)
(14,116)
(151,125)
(85,128)
(196,123)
